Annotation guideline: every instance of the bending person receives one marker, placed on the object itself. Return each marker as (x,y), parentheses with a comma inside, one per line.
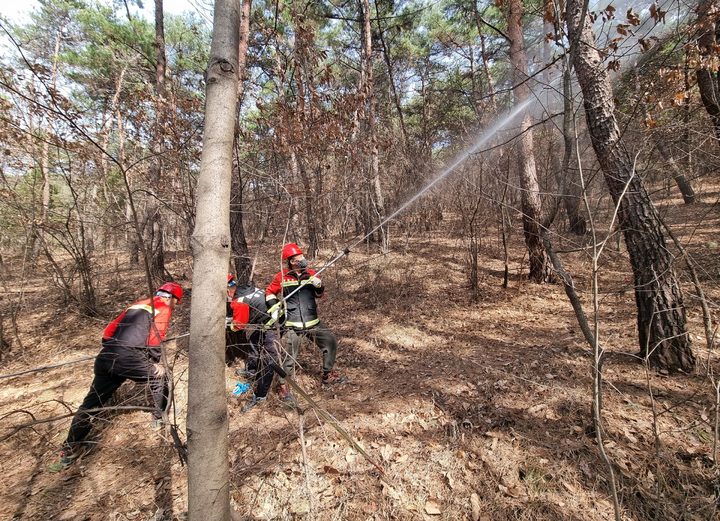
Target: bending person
(131,350)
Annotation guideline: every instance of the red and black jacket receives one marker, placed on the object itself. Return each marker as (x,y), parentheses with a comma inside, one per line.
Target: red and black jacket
(300,305)
(143,324)
(249,307)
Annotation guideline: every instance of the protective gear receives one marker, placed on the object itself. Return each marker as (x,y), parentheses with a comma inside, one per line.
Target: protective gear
(228,322)
(301,264)
(174,289)
(315,281)
(141,325)
(249,307)
(275,313)
(290,250)
(300,305)
(231,282)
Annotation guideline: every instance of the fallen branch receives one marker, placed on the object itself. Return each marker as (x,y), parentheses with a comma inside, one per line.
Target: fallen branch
(46,367)
(329,418)
(70,415)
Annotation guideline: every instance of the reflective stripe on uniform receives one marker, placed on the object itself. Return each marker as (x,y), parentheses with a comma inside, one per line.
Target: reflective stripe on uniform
(288,283)
(303,325)
(147,308)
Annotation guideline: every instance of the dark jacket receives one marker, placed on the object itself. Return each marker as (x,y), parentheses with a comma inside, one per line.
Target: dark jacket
(249,307)
(300,305)
(142,325)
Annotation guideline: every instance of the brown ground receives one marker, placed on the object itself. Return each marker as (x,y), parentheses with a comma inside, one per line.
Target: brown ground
(475,410)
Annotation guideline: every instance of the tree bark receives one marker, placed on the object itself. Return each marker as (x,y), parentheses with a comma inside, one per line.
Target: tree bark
(540,267)
(707,74)
(680,179)
(241,253)
(661,314)
(377,211)
(207,420)
(34,250)
(569,191)
(153,221)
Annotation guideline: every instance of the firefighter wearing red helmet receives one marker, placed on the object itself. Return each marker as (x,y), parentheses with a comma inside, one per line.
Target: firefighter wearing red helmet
(131,350)
(300,286)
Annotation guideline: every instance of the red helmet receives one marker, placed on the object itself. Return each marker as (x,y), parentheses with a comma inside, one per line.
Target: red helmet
(290,250)
(173,288)
(231,282)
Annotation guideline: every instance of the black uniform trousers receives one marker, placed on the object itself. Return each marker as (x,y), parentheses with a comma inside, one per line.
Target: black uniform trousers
(113,365)
(263,359)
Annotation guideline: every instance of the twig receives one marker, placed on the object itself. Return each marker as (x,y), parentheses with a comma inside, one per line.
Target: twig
(333,422)
(63,416)
(45,367)
(301,419)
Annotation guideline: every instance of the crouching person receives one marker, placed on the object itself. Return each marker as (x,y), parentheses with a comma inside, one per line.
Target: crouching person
(131,350)
(250,313)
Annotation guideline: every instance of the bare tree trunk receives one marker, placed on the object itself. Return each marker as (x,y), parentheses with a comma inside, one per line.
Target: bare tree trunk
(682,182)
(707,78)
(540,267)
(241,253)
(207,420)
(661,314)
(313,243)
(153,221)
(368,88)
(34,249)
(569,192)
(485,58)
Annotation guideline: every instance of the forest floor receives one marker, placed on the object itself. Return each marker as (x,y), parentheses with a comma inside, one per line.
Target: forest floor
(475,410)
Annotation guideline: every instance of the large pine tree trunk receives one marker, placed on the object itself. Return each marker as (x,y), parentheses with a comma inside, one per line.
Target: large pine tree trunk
(707,74)
(540,268)
(207,421)
(661,314)
(377,210)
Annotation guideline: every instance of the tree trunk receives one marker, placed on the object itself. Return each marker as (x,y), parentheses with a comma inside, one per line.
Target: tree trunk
(34,249)
(240,251)
(207,420)
(310,223)
(153,220)
(707,75)
(661,314)
(569,192)
(485,58)
(540,268)
(682,182)
(367,80)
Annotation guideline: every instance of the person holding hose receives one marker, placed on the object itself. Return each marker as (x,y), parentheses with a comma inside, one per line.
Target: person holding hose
(131,350)
(250,314)
(299,286)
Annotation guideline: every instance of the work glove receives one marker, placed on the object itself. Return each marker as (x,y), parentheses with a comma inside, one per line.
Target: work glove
(315,281)
(274,312)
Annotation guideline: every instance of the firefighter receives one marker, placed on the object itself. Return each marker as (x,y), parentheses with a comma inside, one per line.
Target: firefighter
(131,350)
(250,314)
(300,286)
